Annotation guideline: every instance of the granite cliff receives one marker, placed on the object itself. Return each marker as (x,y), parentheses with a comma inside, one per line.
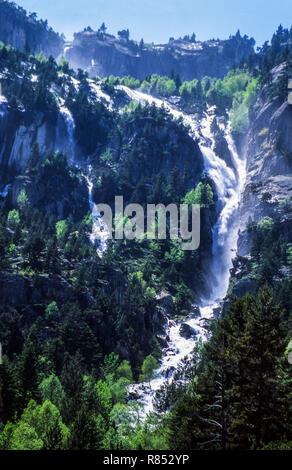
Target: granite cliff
(103,55)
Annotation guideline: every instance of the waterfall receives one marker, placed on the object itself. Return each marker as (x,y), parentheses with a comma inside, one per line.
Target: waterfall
(100,95)
(229,183)
(65,117)
(99,235)
(3,105)
(5,191)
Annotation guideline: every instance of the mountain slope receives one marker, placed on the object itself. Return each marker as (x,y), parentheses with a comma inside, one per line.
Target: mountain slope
(20,30)
(103,54)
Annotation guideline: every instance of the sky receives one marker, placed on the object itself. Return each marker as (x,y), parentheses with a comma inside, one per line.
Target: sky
(158,20)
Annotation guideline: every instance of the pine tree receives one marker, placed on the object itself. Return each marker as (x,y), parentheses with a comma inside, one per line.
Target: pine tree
(27,374)
(84,431)
(261,411)
(8,391)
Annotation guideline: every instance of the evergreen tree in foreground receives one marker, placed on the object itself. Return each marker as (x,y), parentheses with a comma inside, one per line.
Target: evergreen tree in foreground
(243,397)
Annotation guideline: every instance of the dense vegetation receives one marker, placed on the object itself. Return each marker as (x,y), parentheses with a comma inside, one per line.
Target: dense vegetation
(90,326)
(25,31)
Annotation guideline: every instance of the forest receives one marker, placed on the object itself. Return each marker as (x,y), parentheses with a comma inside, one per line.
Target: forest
(77,329)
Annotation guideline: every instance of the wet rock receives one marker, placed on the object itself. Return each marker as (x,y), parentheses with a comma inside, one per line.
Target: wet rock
(217,312)
(240,289)
(162,341)
(170,352)
(124,352)
(133,395)
(24,290)
(169,372)
(195,311)
(186,331)
(243,287)
(165,300)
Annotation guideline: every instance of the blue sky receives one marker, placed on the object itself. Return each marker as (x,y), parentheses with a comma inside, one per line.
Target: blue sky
(157,20)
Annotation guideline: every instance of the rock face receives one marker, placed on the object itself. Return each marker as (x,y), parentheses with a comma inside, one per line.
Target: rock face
(19,30)
(154,160)
(269,181)
(269,163)
(17,290)
(187,331)
(72,195)
(103,55)
(19,130)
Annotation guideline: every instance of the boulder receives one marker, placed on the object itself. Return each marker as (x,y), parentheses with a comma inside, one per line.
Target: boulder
(186,331)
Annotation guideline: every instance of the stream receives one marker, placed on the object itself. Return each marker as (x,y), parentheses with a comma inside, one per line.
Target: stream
(229,182)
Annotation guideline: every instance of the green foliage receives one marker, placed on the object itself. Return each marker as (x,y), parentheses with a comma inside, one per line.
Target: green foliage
(20,437)
(28,374)
(12,249)
(13,219)
(125,370)
(266,223)
(63,65)
(237,92)
(52,313)
(192,92)
(119,389)
(103,398)
(242,102)
(51,390)
(161,86)
(47,422)
(106,157)
(289,255)
(22,200)
(202,195)
(130,82)
(61,229)
(148,367)
(243,385)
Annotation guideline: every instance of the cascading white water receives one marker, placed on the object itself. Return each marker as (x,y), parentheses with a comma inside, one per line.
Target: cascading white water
(100,95)
(66,117)
(177,349)
(5,191)
(229,184)
(99,235)
(3,105)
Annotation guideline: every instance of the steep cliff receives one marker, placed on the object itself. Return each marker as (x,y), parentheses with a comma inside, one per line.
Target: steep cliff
(120,149)
(103,55)
(20,30)
(265,209)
